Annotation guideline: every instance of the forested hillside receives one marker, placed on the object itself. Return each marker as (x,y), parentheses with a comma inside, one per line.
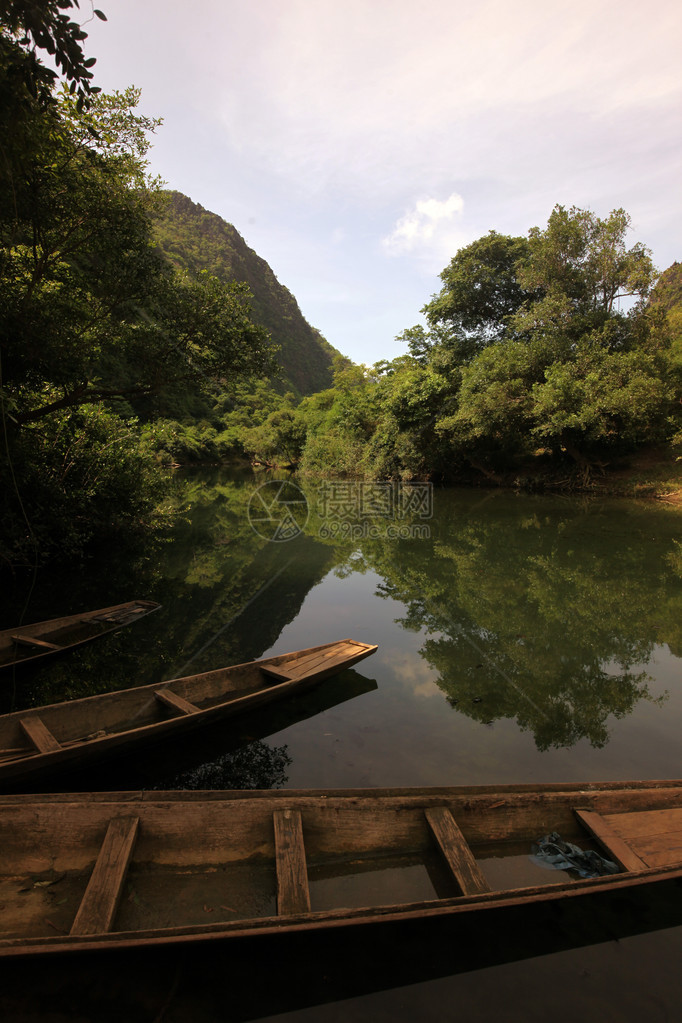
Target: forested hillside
(195,239)
(95,323)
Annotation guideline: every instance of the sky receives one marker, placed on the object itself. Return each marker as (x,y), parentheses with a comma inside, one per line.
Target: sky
(357,145)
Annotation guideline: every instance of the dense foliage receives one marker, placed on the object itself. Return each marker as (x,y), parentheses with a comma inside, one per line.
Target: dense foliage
(543,359)
(92,315)
(27,27)
(137,330)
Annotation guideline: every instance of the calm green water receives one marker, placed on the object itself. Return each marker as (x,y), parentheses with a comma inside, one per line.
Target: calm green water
(521,638)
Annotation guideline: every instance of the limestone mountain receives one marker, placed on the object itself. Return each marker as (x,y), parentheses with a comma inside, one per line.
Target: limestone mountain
(195,239)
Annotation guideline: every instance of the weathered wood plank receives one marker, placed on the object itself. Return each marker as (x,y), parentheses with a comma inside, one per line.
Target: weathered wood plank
(280,674)
(324,658)
(40,735)
(456,851)
(175,702)
(310,663)
(293,895)
(614,845)
(660,850)
(33,642)
(645,823)
(654,835)
(102,896)
(290,670)
(13,751)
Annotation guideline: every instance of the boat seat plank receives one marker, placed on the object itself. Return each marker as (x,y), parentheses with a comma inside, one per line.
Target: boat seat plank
(293,895)
(120,616)
(654,835)
(31,641)
(619,850)
(300,669)
(102,896)
(322,659)
(287,672)
(295,669)
(661,850)
(645,823)
(339,652)
(175,702)
(456,851)
(39,734)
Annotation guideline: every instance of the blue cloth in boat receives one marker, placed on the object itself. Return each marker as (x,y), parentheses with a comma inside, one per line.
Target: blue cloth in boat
(551,851)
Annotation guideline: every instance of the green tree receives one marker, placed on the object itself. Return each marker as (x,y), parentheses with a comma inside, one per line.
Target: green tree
(600,401)
(281,436)
(584,259)
(567,367)
(27,26)
(90,309)
(481,292)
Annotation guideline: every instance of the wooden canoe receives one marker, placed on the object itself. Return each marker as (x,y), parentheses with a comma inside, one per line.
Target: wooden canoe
(42,739)
(25,644)
(133,869)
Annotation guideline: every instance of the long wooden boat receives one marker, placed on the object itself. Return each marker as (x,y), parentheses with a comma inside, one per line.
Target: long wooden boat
(42,739)
(134,869)
(25,644)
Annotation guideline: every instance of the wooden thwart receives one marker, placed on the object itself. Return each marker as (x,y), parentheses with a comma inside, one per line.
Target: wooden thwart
(617,849)
(40,735)
(102,896)
(175,702)
(456,851)
(293,895)
(41,644)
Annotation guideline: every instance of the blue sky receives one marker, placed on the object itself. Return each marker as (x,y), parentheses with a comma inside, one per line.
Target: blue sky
(357,145)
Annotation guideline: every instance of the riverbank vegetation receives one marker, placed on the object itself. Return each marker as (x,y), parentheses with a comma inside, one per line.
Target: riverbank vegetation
(94,320)
(139,331)
(549,360)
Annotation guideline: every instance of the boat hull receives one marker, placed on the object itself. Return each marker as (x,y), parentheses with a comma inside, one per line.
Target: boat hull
(149,856)
(68,732)
(27,644)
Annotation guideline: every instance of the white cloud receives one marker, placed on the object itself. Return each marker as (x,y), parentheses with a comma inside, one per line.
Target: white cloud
(428,227)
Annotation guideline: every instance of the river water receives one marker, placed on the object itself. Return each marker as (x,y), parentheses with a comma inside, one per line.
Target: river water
(521,639)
